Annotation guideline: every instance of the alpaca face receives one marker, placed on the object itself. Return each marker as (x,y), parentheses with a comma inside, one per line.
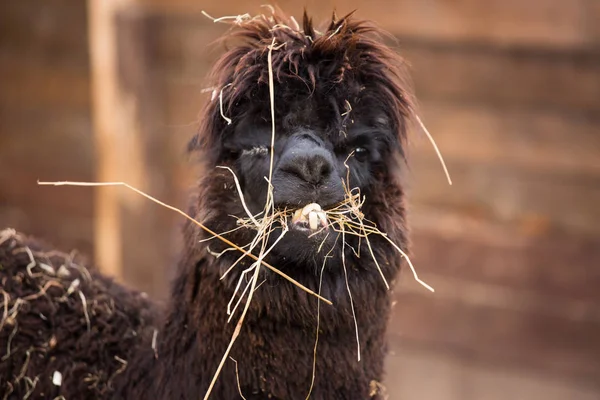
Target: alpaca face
(311,164)
(316,158)
(340,108)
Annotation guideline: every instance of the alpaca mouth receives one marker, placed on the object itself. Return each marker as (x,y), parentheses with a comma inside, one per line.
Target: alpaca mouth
(310,219)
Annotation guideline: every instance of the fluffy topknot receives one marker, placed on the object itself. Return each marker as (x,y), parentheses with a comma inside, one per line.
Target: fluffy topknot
(345,63)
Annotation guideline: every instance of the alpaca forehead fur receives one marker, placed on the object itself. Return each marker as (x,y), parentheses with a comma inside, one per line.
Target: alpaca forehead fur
(323,77)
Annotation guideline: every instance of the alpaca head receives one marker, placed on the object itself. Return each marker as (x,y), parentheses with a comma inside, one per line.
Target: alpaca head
(340,109)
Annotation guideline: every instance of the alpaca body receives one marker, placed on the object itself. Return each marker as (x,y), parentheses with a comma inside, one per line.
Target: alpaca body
(44,322)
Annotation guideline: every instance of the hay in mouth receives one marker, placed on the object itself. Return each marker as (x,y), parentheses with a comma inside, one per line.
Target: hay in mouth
(311,217)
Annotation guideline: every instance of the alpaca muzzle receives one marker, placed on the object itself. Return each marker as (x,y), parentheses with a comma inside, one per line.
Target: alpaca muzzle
(306,176)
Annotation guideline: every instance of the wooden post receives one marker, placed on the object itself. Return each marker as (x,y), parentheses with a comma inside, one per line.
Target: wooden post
(108,120)
(132,236)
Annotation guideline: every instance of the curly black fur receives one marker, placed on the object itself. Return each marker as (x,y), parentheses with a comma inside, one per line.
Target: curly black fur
(335,91)
(58,317)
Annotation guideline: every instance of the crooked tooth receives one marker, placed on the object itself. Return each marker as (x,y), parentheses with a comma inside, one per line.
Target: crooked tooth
(310,208)
(307,210)
(313,221)
(297,216)
(323,219)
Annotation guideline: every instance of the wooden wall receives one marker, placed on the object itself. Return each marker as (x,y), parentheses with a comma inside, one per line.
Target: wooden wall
(45,129)
(511,92)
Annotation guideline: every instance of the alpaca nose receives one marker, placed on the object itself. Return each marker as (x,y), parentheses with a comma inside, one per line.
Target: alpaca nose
(307,160)
(313,168)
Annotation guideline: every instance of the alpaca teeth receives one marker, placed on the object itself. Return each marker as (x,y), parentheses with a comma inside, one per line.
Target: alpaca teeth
(313,220)
(312,215)
(310,208)
(323,219)
(297,216)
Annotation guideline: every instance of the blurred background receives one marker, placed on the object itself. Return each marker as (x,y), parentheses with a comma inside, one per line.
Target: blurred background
(110,90)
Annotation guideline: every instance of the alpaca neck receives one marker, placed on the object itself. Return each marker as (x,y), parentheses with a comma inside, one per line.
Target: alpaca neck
(275,351)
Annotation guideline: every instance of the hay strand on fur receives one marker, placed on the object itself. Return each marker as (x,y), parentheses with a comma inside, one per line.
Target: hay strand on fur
(269,206)
(314,366)
(202,226)
(237,378)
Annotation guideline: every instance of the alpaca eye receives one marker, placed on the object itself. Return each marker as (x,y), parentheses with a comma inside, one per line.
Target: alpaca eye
(360,153)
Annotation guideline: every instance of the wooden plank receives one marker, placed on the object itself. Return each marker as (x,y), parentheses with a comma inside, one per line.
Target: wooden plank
(45,146)
(22,124)
(52,29)
(441,69)
(542,140)
(593,13)
(537,300)
(27,196)
(143,221)
(132,147)
(546,23)
(530,77)
(509,193)
(29,83)
(499,336)
(422,374)
(53,144)
(559,270)
(113,119)
(75,233)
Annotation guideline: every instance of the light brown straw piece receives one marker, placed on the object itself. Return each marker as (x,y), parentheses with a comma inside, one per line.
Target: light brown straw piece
(205,228)
(437,151)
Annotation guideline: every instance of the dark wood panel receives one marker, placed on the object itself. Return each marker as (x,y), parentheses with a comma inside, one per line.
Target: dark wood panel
(548,23)
(30,83)
(51,144)
(26,195)
(31,128)
(442,69)
(541,140)
(66,230)
(526,77)
(53,29)
(548,268)
(499,336)
(425,374)
(505,192)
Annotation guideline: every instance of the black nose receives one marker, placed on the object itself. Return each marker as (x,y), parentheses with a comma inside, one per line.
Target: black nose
(307,160)
(312,168)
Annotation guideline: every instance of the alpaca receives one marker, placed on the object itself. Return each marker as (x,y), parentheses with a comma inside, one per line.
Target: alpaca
(340,112)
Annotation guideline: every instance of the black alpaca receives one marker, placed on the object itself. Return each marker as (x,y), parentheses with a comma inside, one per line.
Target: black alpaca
(341,109)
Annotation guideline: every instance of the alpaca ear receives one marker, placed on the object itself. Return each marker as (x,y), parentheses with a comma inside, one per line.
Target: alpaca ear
(194,144)
(307,25)
(334,21)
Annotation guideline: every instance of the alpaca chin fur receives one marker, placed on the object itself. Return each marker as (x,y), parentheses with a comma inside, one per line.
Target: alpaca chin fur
(339,87)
